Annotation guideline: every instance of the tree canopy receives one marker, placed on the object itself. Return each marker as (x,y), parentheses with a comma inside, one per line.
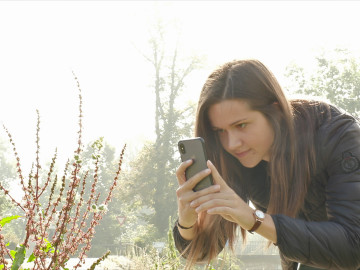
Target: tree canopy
(336,77)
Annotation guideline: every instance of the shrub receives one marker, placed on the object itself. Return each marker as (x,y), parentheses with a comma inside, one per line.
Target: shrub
(66,211)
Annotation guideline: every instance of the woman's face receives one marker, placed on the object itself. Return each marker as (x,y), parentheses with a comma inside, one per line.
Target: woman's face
(244,133)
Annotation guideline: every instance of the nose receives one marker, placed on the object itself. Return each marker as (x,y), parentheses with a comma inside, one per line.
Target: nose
(234,141)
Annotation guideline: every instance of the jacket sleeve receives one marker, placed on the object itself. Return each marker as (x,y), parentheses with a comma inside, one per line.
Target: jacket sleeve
(180,243)
(335,242)
(183,246)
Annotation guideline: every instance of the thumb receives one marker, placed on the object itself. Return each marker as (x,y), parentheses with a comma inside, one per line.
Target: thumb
(217,177)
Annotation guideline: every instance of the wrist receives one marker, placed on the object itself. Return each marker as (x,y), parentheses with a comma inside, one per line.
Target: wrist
(187,234)
(259,217)
(184,225)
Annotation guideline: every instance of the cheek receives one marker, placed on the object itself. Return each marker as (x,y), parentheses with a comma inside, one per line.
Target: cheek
(267,144)
(261,138)
(268,138)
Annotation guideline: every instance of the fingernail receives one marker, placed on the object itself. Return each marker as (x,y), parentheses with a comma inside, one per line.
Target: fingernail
(216,187)
(192,204)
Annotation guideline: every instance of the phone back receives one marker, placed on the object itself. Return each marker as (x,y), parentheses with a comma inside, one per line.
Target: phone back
(195,149)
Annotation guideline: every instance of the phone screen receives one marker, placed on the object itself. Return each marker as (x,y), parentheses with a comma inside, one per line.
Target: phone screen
(194,149)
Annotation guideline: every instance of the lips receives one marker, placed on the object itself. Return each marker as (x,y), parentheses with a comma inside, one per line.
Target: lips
(242,154)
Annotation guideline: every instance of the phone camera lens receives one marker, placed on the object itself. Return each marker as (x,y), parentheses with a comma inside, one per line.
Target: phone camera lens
(182,148)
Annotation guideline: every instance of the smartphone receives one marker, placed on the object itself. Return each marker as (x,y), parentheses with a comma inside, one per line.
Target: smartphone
(194,149)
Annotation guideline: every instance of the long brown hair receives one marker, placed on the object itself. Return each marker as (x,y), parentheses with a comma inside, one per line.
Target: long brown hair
(292,157)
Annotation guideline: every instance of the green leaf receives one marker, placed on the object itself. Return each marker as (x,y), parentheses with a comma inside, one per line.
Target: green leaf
(1,266)
(31,258)
(48,246)
(12,253)
(7,220)
(19,258)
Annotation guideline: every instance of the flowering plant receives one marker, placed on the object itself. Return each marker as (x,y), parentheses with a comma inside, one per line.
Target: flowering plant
(72,216)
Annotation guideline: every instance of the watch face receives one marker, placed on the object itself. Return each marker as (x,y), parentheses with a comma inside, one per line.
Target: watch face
(259,214)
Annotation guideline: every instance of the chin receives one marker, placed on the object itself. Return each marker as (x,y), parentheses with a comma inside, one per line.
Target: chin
(249,164)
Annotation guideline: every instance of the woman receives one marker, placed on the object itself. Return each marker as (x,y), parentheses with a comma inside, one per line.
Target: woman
(297,161)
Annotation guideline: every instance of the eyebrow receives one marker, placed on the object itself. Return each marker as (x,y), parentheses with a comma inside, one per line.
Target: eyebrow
(232,124)
(238,121)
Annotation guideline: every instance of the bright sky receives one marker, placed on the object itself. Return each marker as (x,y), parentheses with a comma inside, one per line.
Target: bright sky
(42,42)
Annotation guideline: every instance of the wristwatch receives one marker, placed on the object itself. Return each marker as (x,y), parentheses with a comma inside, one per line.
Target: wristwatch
(259,218)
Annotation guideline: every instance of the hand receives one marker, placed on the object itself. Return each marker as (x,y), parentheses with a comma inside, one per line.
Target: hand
(225,203)
(185,194)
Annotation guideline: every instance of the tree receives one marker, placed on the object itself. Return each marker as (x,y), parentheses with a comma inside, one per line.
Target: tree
(336,77)
(110,234)
(153,172)
(7,169)
(104,237)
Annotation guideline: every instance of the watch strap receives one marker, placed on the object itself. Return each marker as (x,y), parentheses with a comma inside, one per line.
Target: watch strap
(257,224)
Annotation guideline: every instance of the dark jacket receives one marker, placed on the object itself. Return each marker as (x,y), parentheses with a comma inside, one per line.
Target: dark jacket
(326,233)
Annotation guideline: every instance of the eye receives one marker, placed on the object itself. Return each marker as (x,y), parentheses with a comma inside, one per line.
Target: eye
(220,131)
(242,125)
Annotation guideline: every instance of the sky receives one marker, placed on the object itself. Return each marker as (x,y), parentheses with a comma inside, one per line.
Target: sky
(43,42)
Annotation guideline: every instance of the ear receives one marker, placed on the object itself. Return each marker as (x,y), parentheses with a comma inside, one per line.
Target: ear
(276,104)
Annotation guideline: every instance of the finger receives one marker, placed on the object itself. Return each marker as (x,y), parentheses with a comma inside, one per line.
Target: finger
(221,210)
(212,192)
(217,177)
(185,190)
(196,198)
(193,181)
(215,207)
(227,199)
(180,172)
(214,203)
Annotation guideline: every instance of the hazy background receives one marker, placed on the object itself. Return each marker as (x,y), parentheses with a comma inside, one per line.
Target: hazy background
(105,43)
(42,42)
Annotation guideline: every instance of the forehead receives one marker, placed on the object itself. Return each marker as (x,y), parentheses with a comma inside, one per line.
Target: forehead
(229,111)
